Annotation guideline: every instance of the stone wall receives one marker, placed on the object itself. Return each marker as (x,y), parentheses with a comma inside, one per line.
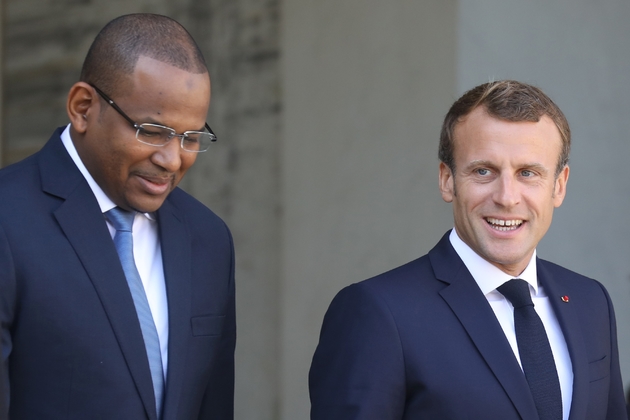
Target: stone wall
(45,43)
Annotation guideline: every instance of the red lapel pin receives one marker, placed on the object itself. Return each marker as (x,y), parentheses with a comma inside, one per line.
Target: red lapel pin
(565,299)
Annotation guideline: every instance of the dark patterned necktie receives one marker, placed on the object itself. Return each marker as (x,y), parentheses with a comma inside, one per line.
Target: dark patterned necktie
(534,350)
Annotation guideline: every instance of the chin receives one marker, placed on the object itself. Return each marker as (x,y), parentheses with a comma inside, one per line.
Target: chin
(146,206)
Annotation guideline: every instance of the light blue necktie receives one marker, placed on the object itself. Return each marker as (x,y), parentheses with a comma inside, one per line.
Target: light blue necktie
(122,221)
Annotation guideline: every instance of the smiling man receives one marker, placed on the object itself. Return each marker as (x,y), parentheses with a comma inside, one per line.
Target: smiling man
(480,328)
(116,287)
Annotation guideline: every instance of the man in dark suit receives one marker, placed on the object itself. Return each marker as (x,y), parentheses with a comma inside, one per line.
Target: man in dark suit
(479,328)
(116,287)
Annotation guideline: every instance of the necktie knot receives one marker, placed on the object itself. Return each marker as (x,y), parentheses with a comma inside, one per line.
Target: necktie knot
(122,220)
(517,292)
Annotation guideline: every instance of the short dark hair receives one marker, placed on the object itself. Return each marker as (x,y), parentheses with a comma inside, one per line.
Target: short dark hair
(117,47)
(506,100)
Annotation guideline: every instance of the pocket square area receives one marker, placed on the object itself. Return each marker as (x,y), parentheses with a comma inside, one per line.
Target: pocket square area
(208,325)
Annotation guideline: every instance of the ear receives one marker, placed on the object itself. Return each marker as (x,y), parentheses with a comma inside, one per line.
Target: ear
(447,183)
(81,101)
(560,186)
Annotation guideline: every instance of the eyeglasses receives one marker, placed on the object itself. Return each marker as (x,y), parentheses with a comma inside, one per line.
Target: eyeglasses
(159,135)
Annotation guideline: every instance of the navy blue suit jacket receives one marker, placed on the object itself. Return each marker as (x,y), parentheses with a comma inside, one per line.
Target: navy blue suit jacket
(72,342)
(422,342)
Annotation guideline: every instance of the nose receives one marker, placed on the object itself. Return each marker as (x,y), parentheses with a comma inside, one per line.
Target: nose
(507,192)
(169,156)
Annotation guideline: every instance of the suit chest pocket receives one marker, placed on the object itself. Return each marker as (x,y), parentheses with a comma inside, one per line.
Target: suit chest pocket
(208,325)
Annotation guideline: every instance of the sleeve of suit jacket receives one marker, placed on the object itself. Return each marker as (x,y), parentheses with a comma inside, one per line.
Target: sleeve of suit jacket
(616,400)
(358,369)
(7,289)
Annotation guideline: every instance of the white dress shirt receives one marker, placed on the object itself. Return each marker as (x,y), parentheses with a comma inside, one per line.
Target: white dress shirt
(147,252)
(489,277)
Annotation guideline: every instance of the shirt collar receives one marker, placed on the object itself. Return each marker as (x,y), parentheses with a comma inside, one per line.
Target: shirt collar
(104,202)
(488,276)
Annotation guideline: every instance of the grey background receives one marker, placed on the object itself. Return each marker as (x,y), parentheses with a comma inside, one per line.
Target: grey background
(328,114)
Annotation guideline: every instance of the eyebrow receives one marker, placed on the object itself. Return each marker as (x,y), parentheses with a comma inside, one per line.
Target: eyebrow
(151,120)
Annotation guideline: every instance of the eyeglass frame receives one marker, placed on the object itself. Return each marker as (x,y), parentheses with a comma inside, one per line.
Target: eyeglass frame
(135,125)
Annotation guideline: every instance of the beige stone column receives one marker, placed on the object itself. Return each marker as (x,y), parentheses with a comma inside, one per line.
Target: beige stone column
(366,84)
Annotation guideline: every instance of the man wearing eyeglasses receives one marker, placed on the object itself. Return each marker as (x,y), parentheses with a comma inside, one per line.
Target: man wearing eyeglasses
(116,287)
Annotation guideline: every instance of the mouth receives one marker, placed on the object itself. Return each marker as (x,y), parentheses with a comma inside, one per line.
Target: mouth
(155,185)
(504,225)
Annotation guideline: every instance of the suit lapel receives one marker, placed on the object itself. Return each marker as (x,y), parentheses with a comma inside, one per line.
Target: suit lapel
(476,316)
(176,252)
(572,331)
(83,224)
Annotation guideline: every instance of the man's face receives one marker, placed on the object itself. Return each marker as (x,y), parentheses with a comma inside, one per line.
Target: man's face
(134,175)
(504,188)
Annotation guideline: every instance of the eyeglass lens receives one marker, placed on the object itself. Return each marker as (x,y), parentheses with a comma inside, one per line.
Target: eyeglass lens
(156,135)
